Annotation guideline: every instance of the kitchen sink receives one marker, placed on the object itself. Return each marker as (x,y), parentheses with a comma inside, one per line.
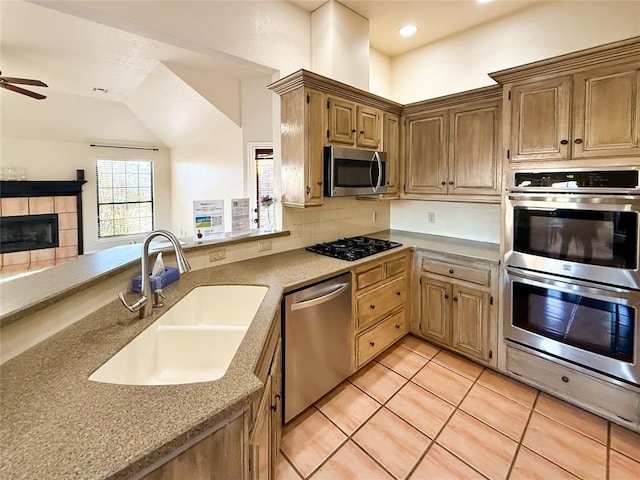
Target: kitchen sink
(194,341)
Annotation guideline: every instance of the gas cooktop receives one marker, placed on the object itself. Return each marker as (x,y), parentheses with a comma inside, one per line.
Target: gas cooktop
(353,248)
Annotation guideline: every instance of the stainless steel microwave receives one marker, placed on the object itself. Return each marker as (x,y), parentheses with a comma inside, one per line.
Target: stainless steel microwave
(353,171)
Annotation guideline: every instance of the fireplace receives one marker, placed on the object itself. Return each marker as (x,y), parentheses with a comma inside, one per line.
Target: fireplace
(40,223)
(28,232)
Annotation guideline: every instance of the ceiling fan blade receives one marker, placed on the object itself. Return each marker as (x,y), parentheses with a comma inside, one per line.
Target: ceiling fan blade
(24,81)
(35,95)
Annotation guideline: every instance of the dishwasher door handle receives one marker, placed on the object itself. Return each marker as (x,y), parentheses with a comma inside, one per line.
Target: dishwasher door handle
(318,300)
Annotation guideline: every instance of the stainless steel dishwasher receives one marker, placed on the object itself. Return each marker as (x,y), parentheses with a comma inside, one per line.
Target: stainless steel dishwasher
(317,342)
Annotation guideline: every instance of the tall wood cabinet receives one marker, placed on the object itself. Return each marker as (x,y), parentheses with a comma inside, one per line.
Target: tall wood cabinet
(582,106)
(316,112)
(452,147)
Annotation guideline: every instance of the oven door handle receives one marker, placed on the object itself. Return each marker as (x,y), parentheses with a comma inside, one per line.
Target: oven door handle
(563,199)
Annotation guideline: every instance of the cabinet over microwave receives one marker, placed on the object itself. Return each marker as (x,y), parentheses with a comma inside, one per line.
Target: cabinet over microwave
(354,171)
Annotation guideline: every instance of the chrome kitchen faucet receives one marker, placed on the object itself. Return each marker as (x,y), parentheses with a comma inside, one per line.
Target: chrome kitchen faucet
(142,305)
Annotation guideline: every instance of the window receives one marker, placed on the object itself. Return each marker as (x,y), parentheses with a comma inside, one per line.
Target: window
(264,182)
(125,197)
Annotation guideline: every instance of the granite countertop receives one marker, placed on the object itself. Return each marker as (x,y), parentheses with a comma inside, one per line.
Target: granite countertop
(57,424)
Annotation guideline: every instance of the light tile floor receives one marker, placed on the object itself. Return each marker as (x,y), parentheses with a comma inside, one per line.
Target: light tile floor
(419,412)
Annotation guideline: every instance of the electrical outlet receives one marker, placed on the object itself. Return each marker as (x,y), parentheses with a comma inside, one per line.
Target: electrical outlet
(217,255)
(264,246)
(431,217)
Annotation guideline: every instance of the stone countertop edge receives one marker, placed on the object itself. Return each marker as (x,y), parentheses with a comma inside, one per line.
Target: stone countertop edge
(26,295)
(62,425)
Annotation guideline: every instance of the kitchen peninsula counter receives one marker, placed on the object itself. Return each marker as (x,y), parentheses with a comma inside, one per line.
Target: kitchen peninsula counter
(56,424)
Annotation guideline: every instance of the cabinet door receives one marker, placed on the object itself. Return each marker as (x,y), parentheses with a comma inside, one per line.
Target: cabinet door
(470,318)
(607,112)
(276,403)
(368,127)
(341,121)
(473,151)
(540,120)
(426,153)
(260,440)
(391,145)
(315,138)
(435,309)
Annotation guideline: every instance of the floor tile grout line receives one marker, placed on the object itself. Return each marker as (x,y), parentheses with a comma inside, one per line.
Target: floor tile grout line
(524,431)
(291,464)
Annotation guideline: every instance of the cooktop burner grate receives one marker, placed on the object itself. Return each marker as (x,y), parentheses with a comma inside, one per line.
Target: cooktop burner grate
(353,248)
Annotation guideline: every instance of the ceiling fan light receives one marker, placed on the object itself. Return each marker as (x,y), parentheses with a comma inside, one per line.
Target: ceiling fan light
(408,30)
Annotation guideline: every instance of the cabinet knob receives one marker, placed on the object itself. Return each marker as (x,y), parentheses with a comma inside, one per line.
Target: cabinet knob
(455,299)
(443,183)
(564,142)
(353,131)
(361,132)
(398,327)
(308,190)
(373,344)
(320,183)
(451,271)
(398,293)
(577,141)
(450,183)
(278,396)
(274,408)
(565,379)
(446,295)
(372,306)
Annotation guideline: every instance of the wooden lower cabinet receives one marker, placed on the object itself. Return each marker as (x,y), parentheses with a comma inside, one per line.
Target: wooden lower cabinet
(456,306)
(219,455)
(380,297)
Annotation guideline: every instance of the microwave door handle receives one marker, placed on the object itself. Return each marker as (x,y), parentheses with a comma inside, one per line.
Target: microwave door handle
(376,156)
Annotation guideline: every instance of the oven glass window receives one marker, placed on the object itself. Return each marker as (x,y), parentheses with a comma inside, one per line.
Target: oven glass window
(356,173)
(584,236)
(597,326)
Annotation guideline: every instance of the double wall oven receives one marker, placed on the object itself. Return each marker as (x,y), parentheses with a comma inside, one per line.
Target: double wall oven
(572,268)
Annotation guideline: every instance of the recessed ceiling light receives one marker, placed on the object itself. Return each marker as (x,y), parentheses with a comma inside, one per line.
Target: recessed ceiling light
(100,89)
(408,30)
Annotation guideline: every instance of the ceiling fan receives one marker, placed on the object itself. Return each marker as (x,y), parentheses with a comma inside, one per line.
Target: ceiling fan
(7,82)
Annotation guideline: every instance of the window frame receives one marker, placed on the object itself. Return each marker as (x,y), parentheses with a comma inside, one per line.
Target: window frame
(99,203)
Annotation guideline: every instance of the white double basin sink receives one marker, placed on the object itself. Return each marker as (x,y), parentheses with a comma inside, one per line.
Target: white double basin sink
(194,341)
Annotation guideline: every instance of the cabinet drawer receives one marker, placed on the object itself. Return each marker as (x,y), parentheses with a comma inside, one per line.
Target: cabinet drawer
(375,340)
(369,277)
(474,275)
(379,301)
(397,266)
(582,387)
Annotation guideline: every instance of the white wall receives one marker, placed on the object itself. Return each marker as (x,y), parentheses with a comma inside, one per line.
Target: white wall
(379,74)
(208,169)
(462,62)
(51,160)
(471,221)
(340,44)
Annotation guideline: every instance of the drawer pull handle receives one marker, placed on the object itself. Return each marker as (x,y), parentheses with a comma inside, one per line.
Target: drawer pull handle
(398,327)
(372,306)
(274,408)
(564,142)
(398,293)
(373,344)
(577,141)
(451,271)
(565,379)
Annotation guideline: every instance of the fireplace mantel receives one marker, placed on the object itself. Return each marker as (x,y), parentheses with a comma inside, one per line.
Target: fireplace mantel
(42,188)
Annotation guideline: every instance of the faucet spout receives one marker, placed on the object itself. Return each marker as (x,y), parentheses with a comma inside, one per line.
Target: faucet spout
(144,307)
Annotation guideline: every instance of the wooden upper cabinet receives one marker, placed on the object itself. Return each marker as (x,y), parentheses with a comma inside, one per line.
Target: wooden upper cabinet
(341,121)
(607,112)
(391,145)
(367,127)
(540,120)
(583,105)
(302,142)
(352,124)
(474,159)
(426,148)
